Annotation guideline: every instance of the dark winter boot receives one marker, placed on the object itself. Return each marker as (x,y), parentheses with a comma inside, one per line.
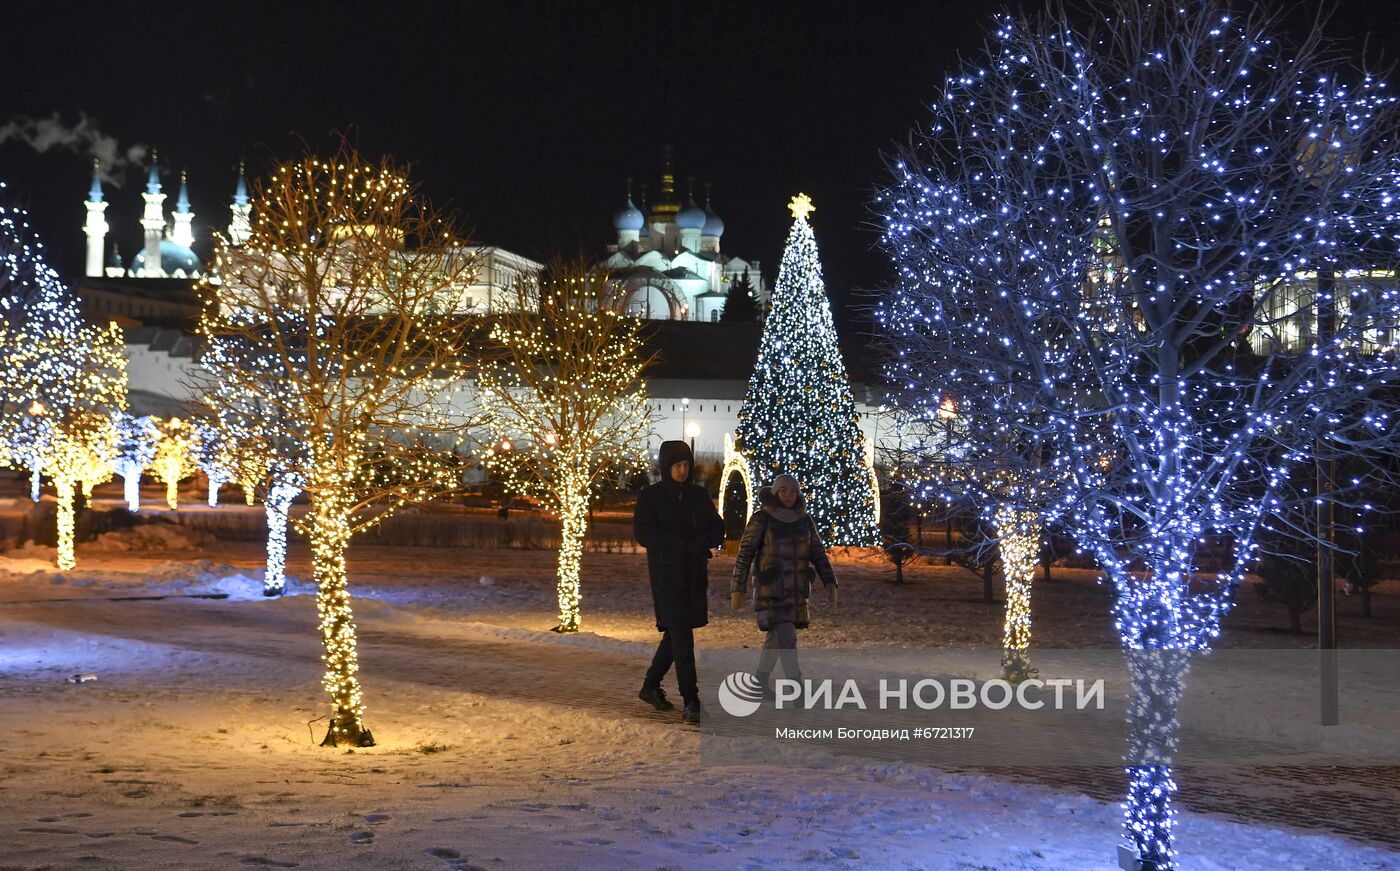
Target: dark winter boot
(656,697)
(765,685)
(693,713)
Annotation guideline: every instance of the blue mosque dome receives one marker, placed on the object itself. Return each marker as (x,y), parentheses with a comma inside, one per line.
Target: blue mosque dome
(172,257)
(692,217)
(629,217)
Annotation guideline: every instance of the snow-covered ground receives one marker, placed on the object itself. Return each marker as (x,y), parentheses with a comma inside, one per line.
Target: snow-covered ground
(502,745)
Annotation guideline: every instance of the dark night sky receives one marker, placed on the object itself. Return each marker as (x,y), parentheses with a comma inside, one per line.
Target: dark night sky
(526,116)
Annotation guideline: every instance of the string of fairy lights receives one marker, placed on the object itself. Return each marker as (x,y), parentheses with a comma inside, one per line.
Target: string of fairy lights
(1108,274)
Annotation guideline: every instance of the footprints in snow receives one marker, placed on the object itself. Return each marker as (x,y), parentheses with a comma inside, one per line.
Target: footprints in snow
(374,819)
(455,860)
(60,830)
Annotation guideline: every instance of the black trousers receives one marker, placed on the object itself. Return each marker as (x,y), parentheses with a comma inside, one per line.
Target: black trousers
(677,648)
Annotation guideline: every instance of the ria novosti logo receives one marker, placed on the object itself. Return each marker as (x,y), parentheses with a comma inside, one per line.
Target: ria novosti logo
(740,694)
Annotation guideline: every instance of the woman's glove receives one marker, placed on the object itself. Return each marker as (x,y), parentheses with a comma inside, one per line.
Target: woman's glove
(736,600)
(831,594)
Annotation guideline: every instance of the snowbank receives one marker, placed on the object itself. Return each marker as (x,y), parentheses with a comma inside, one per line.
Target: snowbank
(148,536)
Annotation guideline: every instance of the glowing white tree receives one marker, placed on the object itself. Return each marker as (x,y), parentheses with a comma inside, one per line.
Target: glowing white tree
(261,430)
(39,318)
(564,387)
(136,449)
(214,455)
(1198,187)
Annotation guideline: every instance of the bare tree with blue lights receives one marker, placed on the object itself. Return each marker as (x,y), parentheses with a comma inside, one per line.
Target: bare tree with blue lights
(1184,291)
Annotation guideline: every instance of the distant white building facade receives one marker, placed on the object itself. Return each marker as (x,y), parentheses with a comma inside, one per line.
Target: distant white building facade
(668,259)
(168,249)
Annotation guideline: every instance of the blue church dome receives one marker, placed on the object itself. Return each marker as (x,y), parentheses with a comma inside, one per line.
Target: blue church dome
(172,257)
(628,218)
(692,217)
(713,225)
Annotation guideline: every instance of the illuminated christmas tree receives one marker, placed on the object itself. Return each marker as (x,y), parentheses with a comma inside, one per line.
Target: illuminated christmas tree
(799,417)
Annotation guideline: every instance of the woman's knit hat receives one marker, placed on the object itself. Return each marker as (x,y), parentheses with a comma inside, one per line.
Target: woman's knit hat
(782,481)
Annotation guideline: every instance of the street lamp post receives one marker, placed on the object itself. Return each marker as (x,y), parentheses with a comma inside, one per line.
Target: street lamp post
(692,430)
(685,407)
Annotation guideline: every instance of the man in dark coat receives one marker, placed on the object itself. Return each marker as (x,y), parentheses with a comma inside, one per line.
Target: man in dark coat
(678,525)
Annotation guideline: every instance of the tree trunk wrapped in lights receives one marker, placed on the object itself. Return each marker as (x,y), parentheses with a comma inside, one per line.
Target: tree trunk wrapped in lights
(1143,209)
(1018,537)
(277,503)
(331,342)
(328,528)
(563,389)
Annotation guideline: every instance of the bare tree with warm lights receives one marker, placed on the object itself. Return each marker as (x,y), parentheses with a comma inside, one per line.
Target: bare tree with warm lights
(565,390)
(344,305)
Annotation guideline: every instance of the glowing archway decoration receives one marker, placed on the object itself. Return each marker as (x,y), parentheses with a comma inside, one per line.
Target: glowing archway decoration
(737,462)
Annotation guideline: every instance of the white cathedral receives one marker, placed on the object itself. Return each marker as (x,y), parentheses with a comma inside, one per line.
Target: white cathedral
(668,257)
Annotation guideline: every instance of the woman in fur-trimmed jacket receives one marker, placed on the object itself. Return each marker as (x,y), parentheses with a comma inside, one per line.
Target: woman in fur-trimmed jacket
(782,546)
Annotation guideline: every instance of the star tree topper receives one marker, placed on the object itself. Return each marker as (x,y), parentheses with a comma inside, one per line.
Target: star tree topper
(801,206)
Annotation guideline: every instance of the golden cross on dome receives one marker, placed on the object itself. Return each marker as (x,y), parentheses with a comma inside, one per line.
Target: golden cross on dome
(801,206)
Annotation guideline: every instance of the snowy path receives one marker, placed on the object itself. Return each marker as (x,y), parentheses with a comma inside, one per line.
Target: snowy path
(498,749)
